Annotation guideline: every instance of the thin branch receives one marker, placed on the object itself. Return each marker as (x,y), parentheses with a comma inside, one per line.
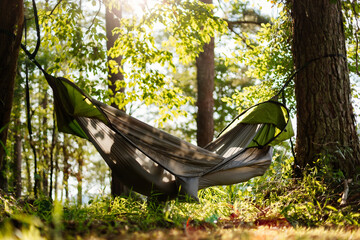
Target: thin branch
(52,11)
(241,22)
(37,31)
(97,13)
(221,7)
(241,37)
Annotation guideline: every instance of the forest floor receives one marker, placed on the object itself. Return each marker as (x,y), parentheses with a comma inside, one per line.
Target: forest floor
(254,233)
(214,217)
(103,228)
(266,229)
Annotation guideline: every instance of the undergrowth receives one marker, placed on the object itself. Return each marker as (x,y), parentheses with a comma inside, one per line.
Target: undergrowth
(274,199)
(314,200)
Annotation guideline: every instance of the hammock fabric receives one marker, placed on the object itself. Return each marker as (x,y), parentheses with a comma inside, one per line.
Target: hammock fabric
(150,161)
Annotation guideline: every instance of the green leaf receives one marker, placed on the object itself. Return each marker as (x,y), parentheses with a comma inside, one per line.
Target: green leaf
(331,208)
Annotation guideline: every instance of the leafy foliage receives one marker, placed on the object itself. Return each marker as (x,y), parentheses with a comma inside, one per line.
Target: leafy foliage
(351,11)
(269,60)
(76,46)
(311,201)
(187,25)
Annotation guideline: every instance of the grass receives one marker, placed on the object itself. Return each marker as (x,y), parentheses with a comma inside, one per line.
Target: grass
(128,218)
(273,206)
(261,233)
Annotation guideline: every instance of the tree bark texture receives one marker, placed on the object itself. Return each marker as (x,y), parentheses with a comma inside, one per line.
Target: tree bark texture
(11,25)
(205,65)
(113,17)
(325,119)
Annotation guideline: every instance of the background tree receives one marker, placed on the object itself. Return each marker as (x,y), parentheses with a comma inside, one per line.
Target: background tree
(17,139)
(205,66)
(230,78)
(113,17)
(325,118)
(11,22)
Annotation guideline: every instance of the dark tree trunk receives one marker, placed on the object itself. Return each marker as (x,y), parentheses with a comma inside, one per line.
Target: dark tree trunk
(325,119)
(205,65)
(11,23)
(53,144)
(113,17)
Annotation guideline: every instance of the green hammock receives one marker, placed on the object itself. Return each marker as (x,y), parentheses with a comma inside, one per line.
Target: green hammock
(150,161)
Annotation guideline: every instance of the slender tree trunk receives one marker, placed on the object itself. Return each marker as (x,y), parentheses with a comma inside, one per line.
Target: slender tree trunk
(11,24)
(205,65)
(45,149)
(17,136)
(113,17)
(28,172)
(325,118)
(56,173)
(66,169)
(18,162)
(79,178)
(53,144)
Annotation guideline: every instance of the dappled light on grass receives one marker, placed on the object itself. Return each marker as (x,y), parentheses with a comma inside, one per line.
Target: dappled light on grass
(272,206)
(260,233)
(134,218)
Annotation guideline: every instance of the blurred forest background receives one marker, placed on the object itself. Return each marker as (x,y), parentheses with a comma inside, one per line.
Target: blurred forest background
(152,63)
